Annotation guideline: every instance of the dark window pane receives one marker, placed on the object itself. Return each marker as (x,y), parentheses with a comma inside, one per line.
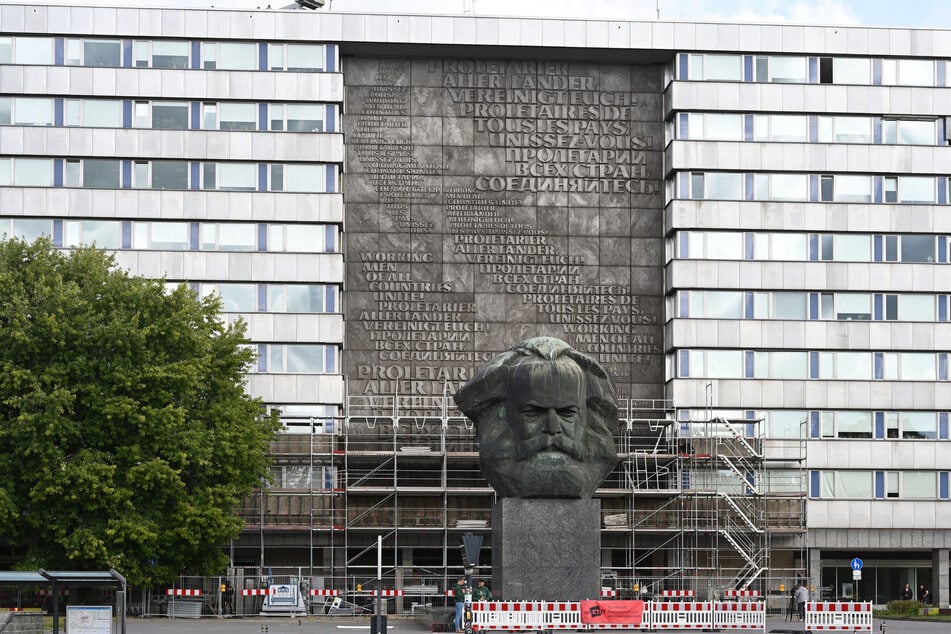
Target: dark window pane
(917,249)
(101,173)
(170,117)
(825,70)
(108,53)
(169,175)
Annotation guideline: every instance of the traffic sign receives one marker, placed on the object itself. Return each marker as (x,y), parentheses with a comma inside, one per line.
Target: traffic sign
(857,575)
(856,564)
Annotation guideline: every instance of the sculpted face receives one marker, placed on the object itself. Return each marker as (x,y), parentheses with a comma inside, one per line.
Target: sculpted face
(546,416)
(546,412)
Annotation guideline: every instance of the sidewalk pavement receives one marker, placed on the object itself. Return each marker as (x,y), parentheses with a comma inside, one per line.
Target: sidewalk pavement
(409,625)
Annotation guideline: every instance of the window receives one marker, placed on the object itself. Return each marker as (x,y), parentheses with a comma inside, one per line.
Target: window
(846,484)
(916,248)
(30,229)
(102,53)
(26,172)
(30,111)
(908,72)
(845,130)
(104,234)
(300,358)
(297,298)
(229,236)
(300,177)
(793,128)
(26,50)
(853,365)
(916,189)
(786,424)
(718,304)
(919,425)
(302,238)
(908,131)
(235,298)
(781,365)
(918,308)
(161,54)
(853,424)
(789,306)
(852,248)
(783,69)
(299,117)
(919,484)
(170,115)
(788,246)
(716,186)
(229,56)
(845,188)
(780,187)
(918,366)
(845,70)
(234,176)
(237,116)
(715,67)
(100,173)
(167,236)
(94,113)
(169,175)
(296,57)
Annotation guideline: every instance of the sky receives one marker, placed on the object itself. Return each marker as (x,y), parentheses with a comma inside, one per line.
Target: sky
(912,13)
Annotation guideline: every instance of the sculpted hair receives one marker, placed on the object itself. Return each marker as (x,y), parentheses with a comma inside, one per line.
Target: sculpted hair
(487,389)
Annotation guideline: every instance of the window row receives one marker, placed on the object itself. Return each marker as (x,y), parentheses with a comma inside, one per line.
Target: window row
(826,306)
(168,54)
(823,424)
(697,126)
(307,418)
(270,298)
(304,476)
(812,364)
(176,236)
(297,358)
(813,247)
(799,187)
(168,174)
(800,69)
(878,485)
(168,115)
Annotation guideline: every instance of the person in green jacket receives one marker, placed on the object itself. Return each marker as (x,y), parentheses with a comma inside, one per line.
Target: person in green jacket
(481,592)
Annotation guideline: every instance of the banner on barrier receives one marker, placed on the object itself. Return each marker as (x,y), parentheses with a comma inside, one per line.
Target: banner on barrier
(614,612)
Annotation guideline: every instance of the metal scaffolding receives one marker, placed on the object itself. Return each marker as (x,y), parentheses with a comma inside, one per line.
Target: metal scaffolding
(692,504)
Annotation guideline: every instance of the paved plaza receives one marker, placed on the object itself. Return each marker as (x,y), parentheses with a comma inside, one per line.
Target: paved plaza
(406,625)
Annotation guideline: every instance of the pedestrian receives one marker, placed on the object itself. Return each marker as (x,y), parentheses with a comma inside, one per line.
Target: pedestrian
(481,592)
(459,595)
(906,593)
(802,597)
(921,592)
(925,597)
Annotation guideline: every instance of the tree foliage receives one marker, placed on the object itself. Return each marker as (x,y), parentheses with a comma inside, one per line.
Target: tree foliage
(126,435)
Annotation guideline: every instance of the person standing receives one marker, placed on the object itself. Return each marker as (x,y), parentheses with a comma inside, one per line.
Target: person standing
(802,597)
(481,592)
(792,610)
(906,593)
(459,596)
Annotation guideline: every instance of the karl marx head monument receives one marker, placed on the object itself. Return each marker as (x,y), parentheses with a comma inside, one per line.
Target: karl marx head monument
(545,415)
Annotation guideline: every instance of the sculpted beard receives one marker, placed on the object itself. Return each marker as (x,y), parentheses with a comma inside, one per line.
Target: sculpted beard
(535,444)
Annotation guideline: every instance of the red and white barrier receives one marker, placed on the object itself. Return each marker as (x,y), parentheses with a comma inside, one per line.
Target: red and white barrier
(731,615)
(606,594)
(677,615)
(181,592)
(257,592)
(836,616)
(324,593)
(510,615)
(667,594)
(741,593)
(387,593)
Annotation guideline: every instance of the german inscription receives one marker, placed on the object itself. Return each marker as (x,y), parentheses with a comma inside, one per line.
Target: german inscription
(490,201)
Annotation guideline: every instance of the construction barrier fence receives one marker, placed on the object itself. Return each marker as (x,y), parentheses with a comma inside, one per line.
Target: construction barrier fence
(837,616)
(600,615)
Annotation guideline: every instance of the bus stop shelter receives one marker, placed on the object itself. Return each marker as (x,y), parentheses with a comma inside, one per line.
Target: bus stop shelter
(62,580)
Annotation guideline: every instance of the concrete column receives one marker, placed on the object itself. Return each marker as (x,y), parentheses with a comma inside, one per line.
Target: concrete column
(939,572)
(815,574)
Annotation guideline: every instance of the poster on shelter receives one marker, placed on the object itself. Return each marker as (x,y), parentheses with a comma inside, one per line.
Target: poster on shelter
(612,612)
(89,619)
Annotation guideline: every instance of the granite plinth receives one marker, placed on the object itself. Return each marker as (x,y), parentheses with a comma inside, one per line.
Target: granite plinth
(546,549)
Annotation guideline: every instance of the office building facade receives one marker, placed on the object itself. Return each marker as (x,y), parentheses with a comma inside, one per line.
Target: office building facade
(744,223)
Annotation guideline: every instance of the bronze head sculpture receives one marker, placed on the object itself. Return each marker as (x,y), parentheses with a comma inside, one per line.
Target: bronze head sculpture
(546,416)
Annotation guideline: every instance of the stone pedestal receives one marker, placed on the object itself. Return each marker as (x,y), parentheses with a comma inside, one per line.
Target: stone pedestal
(546,550)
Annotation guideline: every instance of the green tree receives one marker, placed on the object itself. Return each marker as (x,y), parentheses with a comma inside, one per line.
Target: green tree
(126,435)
